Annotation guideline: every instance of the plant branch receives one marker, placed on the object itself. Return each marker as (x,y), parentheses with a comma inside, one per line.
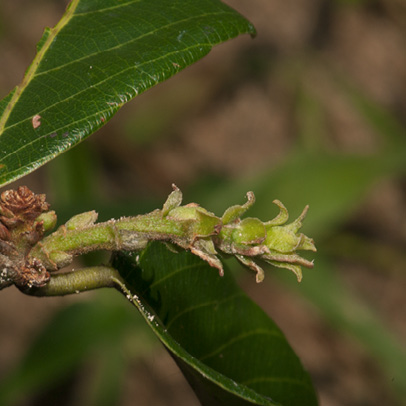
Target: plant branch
(28,259)
(81,235)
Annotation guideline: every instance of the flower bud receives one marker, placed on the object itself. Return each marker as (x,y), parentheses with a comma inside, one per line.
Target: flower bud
(249,231)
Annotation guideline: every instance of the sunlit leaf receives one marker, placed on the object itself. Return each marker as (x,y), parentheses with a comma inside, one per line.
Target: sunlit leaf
(100,55)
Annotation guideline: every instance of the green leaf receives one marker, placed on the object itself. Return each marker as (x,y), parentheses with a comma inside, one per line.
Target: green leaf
(230,351)
(100,55)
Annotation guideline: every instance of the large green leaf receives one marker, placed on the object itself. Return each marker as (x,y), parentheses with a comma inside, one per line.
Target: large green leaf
(231,352)
(99,56)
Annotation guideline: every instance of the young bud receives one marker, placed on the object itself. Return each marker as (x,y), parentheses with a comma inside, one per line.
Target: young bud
(233,213)
(48,220)
(174,200)
(82,220)
(199,221)
(60,259)
(249,231)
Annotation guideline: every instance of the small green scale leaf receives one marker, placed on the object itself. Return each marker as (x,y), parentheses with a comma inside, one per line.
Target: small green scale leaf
(230,351)
(100,55)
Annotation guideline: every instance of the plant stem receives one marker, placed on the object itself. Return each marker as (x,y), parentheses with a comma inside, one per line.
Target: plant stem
(127,233)
(80,280)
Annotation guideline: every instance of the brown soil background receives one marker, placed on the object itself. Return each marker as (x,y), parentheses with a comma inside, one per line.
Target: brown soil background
(216,115)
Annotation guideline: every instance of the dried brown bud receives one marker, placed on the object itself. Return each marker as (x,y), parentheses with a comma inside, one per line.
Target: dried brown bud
(21,203)
(23,219)
(33,274)
(4,233)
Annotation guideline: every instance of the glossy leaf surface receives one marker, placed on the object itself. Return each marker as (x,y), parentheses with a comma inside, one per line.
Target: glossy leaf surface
(230,351)
(100,55)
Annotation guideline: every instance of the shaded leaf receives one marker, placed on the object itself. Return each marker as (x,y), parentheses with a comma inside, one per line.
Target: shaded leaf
(228,348)
(100,55)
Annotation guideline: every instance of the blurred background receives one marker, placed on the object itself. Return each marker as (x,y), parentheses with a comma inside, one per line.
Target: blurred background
(312,111)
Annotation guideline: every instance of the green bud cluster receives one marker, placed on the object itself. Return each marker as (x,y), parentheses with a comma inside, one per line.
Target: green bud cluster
(249,239)
(29,258)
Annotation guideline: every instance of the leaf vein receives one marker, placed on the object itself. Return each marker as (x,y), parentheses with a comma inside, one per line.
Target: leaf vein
(101,10)
(175,272)
(200,306)
(240,337)
(101,82)
(132,40)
